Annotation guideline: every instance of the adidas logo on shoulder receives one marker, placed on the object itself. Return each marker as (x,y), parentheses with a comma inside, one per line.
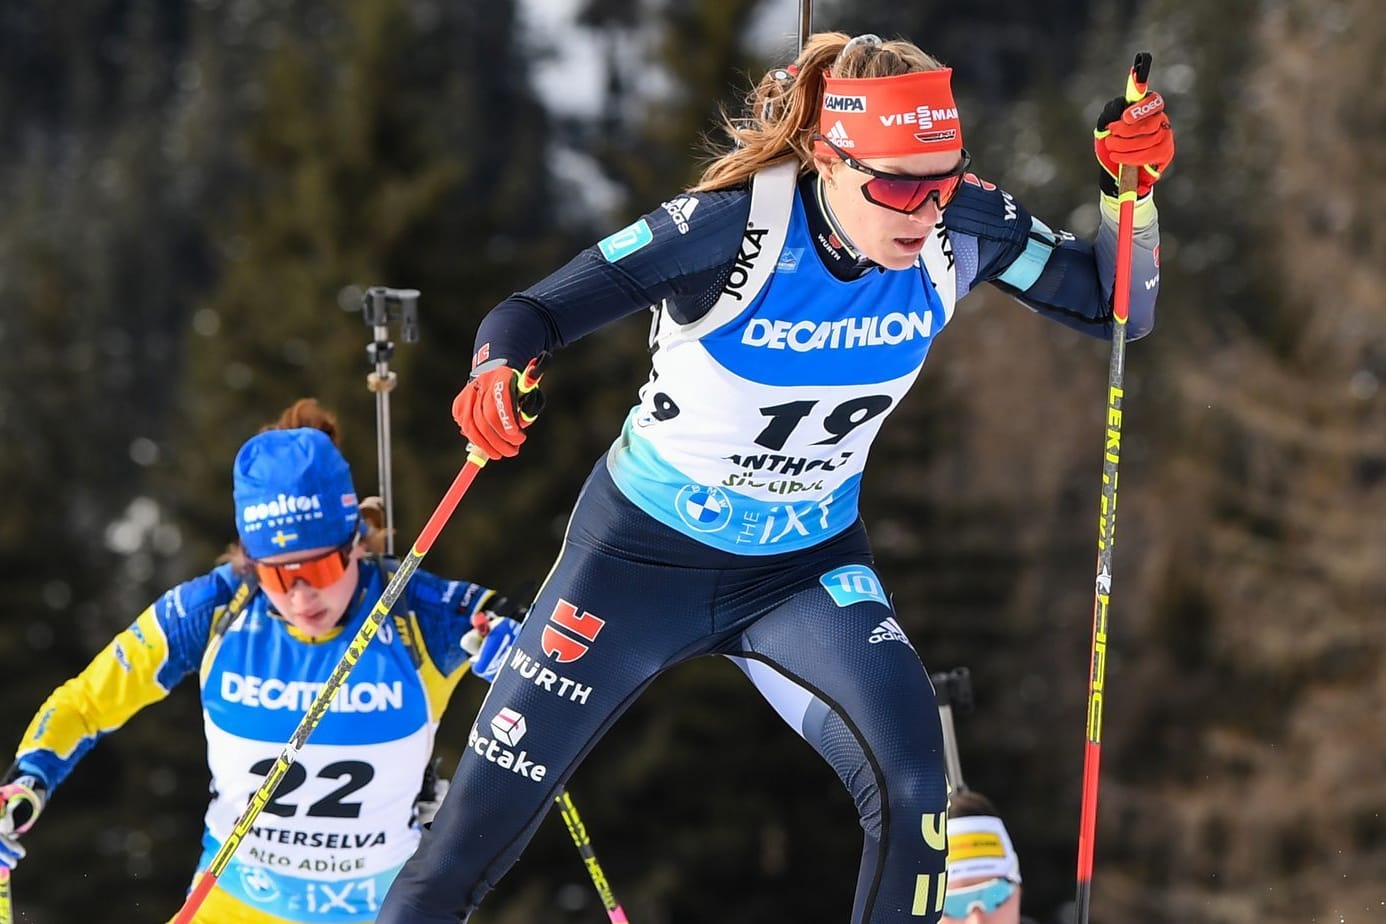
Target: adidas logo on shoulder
(838,136)
(681,211)
(889,631)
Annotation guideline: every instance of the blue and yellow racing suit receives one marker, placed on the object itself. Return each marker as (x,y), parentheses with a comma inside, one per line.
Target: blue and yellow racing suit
(340,825)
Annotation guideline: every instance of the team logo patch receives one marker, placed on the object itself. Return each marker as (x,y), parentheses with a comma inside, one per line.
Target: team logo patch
(853,584)
(626,241)
(937,137)
(789,260)
(705,509)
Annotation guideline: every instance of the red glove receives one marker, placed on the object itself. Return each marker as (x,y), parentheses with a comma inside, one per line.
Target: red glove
(495,407)
(1138,134)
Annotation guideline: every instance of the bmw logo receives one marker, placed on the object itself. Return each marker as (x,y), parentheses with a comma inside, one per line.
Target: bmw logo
(702,508)
(258,884)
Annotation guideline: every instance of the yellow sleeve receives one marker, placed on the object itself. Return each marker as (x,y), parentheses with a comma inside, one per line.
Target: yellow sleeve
(139,666)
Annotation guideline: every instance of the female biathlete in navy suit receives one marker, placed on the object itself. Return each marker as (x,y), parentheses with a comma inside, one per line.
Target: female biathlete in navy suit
(798,288)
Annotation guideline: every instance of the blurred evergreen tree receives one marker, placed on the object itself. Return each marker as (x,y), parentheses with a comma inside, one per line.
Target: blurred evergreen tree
(280,157)
(101,248)
(375,158)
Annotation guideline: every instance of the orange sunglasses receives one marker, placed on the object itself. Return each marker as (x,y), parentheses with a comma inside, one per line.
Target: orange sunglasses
(320,572)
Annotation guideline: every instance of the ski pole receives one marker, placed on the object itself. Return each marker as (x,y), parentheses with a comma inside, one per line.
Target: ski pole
(379,306)
(1106,531)
(805,22)
(578,831)
(952,690)
(6,903)
(529,381)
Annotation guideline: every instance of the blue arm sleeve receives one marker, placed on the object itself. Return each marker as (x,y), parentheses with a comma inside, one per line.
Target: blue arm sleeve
(675,252)
(444,610)
(1070,281)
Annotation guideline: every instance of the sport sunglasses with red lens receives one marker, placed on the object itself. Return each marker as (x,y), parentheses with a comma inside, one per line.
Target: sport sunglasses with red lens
(901,193)
(320,572)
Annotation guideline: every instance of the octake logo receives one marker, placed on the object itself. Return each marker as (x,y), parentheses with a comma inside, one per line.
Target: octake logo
(508,727)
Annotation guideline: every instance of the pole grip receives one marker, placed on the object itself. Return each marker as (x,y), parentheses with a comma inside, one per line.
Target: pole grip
(1137,83)
(533,372)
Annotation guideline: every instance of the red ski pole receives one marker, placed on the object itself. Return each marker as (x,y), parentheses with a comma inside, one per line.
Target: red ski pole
(1106,538)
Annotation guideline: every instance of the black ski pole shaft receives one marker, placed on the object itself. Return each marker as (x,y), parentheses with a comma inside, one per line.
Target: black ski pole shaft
(952,691)
(578,831)
(379,307)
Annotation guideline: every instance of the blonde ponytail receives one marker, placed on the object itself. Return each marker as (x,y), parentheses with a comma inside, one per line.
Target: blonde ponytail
(783,109)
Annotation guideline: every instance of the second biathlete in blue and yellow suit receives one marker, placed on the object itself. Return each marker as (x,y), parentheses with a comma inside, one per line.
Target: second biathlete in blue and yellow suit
(341,823)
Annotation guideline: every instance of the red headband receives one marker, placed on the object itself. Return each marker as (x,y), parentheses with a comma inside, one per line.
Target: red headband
(895,116)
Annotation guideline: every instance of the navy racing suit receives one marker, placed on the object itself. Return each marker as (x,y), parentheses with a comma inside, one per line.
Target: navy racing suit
(724,518)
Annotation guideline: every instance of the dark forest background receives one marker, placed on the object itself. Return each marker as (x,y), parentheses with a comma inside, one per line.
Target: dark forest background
(193,195)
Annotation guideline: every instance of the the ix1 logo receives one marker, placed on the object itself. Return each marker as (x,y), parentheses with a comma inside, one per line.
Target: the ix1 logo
(562,645)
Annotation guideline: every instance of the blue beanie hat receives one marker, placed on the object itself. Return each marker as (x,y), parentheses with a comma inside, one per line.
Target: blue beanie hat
(293,492)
